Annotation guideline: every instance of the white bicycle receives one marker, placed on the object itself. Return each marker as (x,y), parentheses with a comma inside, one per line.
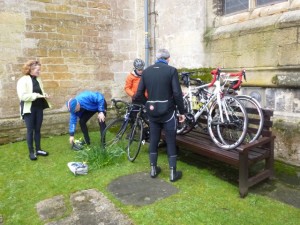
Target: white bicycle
(252,106)
(226,116)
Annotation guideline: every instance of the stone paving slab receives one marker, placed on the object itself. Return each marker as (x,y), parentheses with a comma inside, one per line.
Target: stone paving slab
(140,189)
(90,207)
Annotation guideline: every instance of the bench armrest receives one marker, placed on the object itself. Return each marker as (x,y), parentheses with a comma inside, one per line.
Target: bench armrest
(256,143)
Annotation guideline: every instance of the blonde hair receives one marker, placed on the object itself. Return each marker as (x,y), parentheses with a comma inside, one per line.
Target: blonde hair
(27,67)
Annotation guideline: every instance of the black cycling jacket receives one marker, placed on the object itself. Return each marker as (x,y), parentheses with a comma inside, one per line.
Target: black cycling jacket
(162,83)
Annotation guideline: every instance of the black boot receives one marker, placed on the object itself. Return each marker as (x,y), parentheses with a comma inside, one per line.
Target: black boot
(32,156)
(174,175)
(155,170)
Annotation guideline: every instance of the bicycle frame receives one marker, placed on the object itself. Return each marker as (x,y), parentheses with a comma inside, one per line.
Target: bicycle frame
(211,96)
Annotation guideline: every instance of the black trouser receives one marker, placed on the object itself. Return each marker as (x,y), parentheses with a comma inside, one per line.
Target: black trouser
(33,123)
(170,133)
(85,116)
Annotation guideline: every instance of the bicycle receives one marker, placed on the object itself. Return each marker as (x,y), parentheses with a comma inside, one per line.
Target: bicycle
(226,116)
(130,132)
(252,106)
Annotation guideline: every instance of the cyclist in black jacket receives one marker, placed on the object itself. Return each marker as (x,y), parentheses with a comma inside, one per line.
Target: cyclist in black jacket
(164,94)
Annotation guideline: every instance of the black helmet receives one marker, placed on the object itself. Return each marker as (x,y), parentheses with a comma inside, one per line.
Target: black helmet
(138,64)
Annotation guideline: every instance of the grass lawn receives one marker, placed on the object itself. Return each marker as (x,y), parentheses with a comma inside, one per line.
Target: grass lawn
(203,198)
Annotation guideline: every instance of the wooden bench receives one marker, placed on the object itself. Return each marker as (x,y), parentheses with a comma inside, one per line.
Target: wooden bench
(242,158)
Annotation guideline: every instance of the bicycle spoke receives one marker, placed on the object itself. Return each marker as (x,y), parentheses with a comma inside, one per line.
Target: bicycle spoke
(114,132)
(230,133)
(255,117)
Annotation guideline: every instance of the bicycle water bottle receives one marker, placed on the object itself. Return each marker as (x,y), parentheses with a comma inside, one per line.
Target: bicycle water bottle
(195,103)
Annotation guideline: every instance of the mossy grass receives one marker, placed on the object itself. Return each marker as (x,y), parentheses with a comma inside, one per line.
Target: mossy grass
(201,73)
(203,197)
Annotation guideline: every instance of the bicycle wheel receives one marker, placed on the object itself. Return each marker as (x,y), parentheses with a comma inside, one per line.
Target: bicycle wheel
(135,140)
(230,133)
(116,132)
(255,117)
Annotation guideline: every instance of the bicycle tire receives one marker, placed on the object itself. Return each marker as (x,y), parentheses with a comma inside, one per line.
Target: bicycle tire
(135,140)
(115,132)
(255,117)
(230,134)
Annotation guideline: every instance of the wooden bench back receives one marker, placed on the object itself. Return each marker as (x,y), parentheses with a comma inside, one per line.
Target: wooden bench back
(253,122)
(268,123)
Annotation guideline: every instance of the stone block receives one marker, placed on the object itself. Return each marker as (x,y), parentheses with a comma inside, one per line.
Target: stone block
(275,9)
(62,17)
(38,14)
(50,84)
(52,60)
(63,76)
(65,37)
(69,31)
(67,84)
(289,19)
(36,35)
(54,52)
(38,22)
(70,53)
(81,46)
(98,5)
(290,57)
(46,76)
(9,18)
(285,37)
(38,52)
(58,8)
(57,68)
(44,1)
(295,4)
(288,79)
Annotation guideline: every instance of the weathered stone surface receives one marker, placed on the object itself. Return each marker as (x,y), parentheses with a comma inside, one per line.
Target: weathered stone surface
(51,208)
(140,189)
(89,207)
(288,79)
(76,45)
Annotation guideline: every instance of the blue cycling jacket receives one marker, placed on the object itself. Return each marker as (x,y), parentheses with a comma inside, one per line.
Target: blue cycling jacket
(88,100)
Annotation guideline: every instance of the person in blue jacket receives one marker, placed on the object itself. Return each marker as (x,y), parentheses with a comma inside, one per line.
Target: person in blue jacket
(84,106)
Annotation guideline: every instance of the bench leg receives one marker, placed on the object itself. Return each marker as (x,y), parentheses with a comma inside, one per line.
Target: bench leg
(269,162)
(243,175)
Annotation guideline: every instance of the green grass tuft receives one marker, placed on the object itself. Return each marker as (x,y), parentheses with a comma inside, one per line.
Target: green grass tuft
(97,157)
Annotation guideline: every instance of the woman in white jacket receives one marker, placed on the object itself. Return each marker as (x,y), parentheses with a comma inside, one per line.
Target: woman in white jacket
(33,100)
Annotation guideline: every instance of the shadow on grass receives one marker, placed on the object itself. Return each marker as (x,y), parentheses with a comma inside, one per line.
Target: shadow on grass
(285,186)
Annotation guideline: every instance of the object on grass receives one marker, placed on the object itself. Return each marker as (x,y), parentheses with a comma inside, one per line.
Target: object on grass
(78,168)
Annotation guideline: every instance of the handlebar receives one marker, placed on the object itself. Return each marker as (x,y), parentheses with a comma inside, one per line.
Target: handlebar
(240,75)
(217,72)
(116,103)
(186,78)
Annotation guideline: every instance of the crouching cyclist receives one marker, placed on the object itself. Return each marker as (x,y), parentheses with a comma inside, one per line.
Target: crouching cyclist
(84,106)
